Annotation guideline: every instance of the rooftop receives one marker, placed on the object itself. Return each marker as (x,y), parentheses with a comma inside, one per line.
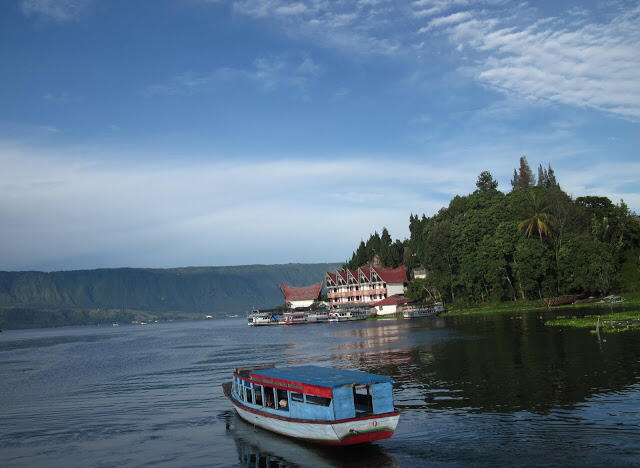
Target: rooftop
(320,376)
(303,293)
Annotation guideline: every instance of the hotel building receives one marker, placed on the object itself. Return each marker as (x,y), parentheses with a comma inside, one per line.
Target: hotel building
(365,285)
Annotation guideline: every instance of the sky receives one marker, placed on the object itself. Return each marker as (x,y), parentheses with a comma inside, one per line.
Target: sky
(212,132)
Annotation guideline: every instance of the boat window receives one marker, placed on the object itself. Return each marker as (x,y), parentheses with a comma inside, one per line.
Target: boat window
(318,400)
(257,391)
(268,397)
(297,397)
(362,399)
(283,400)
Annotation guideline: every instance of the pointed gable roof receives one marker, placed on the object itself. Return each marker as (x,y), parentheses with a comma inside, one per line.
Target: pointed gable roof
(392,275)
(303,293)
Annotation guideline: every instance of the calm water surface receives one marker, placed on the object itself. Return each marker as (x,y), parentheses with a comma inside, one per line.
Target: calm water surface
(472,391)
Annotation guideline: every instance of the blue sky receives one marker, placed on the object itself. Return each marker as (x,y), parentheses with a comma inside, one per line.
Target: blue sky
(211,132)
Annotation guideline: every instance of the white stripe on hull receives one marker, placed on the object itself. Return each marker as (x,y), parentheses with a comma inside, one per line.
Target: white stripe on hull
(328,432)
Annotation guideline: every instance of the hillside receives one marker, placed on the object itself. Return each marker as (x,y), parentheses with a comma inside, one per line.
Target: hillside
(70,295)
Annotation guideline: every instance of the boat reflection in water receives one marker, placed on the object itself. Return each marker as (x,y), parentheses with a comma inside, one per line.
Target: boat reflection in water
(258,448)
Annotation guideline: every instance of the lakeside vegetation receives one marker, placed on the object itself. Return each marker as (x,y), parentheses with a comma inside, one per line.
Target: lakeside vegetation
(494,251)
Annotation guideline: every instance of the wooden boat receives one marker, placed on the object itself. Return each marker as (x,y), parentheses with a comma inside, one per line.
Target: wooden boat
(316,404)
(422,310)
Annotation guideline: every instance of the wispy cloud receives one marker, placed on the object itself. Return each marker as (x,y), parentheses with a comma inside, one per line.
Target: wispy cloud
(57,10)
(446,21)
(357,27)
(592,65)
(59,98)
(270,73)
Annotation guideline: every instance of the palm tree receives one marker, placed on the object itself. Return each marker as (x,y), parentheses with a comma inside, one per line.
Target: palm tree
(539,221)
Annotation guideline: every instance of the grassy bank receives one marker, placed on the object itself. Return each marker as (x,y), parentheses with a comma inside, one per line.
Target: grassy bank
(632,300)
(614,317)
(608,323)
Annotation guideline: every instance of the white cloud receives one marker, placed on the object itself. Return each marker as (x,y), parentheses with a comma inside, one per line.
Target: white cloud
(59,98)
(446,21)
(291,9)
(270,72)
(58,207)
(593,65)
(57,10)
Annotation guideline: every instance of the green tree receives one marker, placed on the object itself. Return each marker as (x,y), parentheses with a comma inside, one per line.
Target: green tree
(386,255)
(523,178)
(486,182)
(539,219)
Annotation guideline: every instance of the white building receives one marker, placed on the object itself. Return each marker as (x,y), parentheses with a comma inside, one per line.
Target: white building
(365,285)
(391,305)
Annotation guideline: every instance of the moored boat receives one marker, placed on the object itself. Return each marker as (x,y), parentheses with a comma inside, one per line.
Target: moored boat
(422,310)
(295,318)
(257,318)
(316,404)
(345,315)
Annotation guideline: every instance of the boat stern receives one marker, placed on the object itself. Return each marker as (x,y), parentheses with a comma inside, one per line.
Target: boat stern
(361,431)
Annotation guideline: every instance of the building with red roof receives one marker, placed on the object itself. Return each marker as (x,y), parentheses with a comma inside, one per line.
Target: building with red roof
(301,296)
(391,304)
(365,285)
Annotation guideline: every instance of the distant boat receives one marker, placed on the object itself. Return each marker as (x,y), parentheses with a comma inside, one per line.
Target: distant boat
(208,317)
(316,404)
(258,319)
(115,324)
(422,310)
(346,315)
(295,318)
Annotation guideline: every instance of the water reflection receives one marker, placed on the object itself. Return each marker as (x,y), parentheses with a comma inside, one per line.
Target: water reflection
(507,363)
(258,448)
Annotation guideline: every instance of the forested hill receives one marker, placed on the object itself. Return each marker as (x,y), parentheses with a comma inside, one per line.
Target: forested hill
(533,242)
(210,290)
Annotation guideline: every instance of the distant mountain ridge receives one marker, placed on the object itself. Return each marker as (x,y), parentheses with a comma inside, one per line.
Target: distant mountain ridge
(211,290)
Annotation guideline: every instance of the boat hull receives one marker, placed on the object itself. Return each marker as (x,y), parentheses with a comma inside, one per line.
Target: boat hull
(344,432)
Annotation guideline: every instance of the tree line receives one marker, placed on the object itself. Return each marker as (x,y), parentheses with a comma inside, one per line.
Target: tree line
(535,241)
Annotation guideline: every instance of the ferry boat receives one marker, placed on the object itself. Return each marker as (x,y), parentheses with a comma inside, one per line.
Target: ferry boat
(422,310)
(315,404)
(257,318)
(318,316)
(295,318)
(345,315)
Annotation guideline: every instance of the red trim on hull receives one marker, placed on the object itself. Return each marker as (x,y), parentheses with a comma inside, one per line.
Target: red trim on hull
(356,438)
(226,388)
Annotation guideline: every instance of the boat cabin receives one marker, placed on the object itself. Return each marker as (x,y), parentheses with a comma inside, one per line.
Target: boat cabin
(312,392)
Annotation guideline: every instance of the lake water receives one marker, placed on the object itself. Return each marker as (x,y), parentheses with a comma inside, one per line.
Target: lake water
(472,391)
